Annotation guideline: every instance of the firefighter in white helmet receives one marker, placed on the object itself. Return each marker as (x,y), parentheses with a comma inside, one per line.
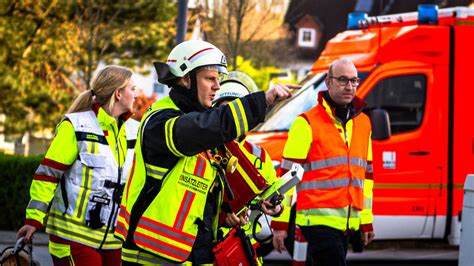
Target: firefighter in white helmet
(237,85)
(172,198)
(233,86)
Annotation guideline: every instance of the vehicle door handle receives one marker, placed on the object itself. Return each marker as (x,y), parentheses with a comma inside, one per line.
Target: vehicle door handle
(419,153)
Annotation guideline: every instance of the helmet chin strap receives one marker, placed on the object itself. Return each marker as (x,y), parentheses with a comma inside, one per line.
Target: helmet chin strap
(194,91)
(189,96)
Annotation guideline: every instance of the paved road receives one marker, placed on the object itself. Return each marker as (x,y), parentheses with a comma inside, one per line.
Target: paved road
(383,255)
(438,255)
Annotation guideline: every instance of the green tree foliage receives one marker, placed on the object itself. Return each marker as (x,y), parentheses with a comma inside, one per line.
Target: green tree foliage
(17,173)
(263,75)
(50,48)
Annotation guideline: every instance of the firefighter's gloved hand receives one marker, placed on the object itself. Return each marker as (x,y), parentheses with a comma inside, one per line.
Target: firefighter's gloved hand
(279,92)
(278,241)
(27,231)
(269,209)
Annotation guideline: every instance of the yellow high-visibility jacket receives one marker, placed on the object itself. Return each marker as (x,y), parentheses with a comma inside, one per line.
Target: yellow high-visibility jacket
(165,196)
(84,169)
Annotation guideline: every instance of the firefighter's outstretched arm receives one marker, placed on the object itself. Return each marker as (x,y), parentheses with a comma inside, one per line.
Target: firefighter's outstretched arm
(195,132)
(279,92)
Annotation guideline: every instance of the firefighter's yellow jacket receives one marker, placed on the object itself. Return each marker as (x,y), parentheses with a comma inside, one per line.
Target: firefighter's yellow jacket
(166,198)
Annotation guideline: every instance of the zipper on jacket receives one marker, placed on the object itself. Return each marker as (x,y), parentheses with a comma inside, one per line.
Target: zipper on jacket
(348,187)
(348,157)
(350,175)
(346,135)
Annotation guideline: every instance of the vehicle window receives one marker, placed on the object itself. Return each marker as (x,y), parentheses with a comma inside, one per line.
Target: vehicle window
(282,115)
(403,97)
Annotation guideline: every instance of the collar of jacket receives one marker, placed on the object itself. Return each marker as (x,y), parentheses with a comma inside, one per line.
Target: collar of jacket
(105,119)
(185,101)
(356,106)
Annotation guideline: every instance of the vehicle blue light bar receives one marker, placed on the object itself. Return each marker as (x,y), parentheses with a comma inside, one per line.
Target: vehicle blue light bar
(427,14)
(353,20)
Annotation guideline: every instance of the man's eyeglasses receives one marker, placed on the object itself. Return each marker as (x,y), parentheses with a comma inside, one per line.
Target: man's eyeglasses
(343,80)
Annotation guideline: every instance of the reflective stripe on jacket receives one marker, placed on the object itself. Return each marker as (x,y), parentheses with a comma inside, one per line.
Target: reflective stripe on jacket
(168,227)
(260,159)
(332,190)
(172,176)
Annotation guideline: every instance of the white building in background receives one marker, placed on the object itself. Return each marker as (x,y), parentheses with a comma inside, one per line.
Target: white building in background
(28,144)
(5,146)
(150,85)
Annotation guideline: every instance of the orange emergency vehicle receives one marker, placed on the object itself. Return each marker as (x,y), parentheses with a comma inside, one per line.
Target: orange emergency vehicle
(418,69)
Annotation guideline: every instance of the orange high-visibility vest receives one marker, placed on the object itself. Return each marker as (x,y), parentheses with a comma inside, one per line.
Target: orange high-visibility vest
(334,174)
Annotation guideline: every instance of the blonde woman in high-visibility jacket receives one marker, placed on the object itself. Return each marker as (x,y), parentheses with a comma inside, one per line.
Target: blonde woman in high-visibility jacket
(172,198)
(333,143)
(79,184)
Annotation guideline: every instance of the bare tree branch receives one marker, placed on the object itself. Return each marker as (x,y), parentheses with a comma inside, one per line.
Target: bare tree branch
(246,21)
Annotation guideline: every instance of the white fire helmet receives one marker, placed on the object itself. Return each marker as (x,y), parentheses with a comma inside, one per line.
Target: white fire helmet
(193,54)
(234,85)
